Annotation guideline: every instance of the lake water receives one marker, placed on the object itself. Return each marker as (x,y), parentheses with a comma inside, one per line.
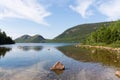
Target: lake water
(32,61)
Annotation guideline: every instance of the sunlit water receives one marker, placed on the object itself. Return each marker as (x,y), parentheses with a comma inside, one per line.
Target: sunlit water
(33,62)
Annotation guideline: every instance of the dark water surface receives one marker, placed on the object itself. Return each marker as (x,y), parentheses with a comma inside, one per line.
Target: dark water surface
(32,61)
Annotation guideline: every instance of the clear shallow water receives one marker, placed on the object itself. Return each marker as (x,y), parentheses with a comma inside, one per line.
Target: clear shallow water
(33,62)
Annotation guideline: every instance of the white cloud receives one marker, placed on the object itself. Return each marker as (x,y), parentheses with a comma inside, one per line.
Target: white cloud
(110,8)
(24,9)
(83,7)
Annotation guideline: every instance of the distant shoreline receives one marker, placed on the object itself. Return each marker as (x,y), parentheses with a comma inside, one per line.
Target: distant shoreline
(99,47)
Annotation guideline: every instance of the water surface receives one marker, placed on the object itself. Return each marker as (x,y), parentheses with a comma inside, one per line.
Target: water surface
(32,61)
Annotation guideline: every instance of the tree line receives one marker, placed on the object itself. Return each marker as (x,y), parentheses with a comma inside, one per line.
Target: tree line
(106,34)
(4,39)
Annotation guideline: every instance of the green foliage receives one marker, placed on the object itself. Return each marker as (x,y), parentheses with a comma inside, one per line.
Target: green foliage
(4,39)
(107,34)
(78,33)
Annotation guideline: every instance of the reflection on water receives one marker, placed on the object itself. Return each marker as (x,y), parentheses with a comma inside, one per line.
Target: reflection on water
(33,62)
(92,55)
(58,72)
(27,48)
(3,51)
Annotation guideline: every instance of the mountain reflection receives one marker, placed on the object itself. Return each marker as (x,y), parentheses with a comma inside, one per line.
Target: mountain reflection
(92,55)
(3,51)
(27,48)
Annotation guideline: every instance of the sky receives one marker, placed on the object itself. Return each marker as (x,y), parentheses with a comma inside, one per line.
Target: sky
(50,18)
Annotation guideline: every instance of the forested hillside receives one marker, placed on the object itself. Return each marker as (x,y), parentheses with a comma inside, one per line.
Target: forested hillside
(107,34)
(4,39)
(78,33)
(30,39)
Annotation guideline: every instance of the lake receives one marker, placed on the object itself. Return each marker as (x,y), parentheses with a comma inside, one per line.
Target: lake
(32,61)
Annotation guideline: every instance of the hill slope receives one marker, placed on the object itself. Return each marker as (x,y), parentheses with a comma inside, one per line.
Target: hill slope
(78,33)
(109,35)
(30,39)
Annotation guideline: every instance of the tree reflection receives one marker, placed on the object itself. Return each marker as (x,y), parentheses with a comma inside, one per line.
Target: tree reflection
(92,55)
(3,51)
(27,48)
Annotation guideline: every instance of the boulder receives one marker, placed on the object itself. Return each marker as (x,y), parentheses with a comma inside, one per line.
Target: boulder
(58,66)
(117,73)
(58,72)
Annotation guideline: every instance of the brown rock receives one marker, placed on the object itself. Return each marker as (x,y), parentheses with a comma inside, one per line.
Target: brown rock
(58,66)
(117,73)
(58,72)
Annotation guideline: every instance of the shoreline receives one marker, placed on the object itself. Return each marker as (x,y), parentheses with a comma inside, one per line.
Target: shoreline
(99,47)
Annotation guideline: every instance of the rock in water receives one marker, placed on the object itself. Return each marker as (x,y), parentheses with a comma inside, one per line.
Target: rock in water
(117,73)
(58,72)
(58,66)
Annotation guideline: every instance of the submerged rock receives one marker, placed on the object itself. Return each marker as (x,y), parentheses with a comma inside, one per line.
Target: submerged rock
(117,73)
(58,72)
(58,66)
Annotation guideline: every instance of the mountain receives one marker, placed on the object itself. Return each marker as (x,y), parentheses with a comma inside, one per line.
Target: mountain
(30,39)
(78,33)
(23,38)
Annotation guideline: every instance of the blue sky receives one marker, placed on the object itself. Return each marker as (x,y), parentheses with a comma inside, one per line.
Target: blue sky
(50,18)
